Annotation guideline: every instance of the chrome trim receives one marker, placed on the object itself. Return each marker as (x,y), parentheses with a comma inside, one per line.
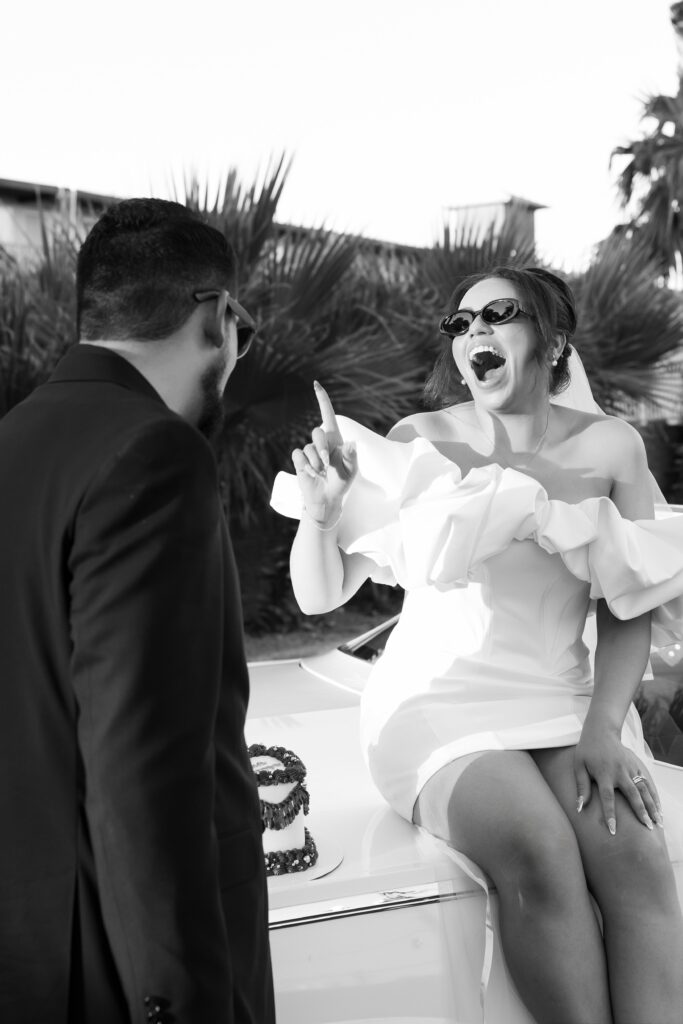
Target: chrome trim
(351,646)
(365,903)
(668,764)
(269,662)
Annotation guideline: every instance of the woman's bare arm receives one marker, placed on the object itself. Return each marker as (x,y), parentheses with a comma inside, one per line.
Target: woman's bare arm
(621,654)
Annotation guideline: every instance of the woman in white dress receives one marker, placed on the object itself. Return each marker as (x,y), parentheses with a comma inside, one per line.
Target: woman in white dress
(483,722)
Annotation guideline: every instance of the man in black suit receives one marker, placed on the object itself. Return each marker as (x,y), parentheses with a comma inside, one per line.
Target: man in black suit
(132,884)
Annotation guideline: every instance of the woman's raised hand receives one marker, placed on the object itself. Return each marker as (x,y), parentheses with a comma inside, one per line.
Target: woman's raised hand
(326,467)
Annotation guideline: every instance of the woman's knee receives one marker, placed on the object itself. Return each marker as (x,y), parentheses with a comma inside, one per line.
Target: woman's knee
(541,860)
(533,857)
(632,872)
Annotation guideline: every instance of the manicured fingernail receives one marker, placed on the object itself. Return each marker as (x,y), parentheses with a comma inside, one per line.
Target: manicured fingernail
(659,819)
(316,385)
(646,821)
(612,826)
(579,805)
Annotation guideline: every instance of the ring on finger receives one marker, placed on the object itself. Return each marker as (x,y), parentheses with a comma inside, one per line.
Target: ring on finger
(638,778)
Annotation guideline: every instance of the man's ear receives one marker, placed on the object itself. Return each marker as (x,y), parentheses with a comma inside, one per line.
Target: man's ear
(214,320)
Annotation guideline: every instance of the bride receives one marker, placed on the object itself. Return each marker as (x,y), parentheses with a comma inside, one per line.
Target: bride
(484,722)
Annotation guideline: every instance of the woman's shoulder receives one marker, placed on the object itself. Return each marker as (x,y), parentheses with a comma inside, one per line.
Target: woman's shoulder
(434,424)
(607,443)
(611,431)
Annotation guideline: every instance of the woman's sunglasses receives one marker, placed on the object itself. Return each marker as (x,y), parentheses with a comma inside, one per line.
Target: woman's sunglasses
(245,330)
(498,311)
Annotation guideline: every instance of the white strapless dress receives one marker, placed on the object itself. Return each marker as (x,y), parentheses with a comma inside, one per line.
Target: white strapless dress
(488,653)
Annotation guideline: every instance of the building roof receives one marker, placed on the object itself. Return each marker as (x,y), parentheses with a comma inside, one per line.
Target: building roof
(29,191)
(510,201)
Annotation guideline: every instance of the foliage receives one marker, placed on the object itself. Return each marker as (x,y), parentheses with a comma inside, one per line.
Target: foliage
(652,178)
(675,490)
(244,215)
(467,250)
(37,312)
(327,310)
(628,324)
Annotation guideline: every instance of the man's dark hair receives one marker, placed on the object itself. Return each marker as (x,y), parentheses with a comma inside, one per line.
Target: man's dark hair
(546,297)
(140,264)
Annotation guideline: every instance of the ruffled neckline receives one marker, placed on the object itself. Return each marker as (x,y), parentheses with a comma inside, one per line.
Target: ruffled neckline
(414,515)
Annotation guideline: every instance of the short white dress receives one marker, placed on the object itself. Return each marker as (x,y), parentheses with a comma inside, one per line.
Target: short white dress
(488,653)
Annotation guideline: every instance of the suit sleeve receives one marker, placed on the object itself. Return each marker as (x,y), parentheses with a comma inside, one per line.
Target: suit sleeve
(146,614)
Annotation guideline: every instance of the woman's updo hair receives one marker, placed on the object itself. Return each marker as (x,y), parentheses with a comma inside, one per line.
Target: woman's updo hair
(544,296)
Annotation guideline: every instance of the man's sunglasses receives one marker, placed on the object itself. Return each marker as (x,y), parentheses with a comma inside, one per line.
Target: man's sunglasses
(245,330)
(498,311)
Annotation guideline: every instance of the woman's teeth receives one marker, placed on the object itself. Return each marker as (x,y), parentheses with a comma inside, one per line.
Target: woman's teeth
(484,359)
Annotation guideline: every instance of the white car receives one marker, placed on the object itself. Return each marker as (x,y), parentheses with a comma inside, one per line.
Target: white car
(387,929)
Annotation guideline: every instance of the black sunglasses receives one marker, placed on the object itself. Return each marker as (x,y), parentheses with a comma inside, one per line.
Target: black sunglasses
(245,330)
(498,311)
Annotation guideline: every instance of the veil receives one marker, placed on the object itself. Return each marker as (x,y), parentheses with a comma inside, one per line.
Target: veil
(580,396)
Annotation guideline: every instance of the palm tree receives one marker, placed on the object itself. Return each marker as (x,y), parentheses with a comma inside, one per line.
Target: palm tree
(325,307)
(470,249)
(37,311)
(320,318)
(628,326)
(652,180)
(651,184)
(245,214)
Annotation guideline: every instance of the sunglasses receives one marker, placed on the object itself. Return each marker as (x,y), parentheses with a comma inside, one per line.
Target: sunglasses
(498,311)
(245,330)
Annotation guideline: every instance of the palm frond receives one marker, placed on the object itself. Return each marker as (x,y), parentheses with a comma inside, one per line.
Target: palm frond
(37,309)
(245,215)
(628,323)
(469,249)
(664,109)
(302,270)
(271,407)
(650,183)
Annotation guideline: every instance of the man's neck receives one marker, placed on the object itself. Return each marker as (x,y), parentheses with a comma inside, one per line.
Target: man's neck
(164,364)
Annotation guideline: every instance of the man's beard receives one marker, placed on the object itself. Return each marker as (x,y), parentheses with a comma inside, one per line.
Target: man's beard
(212,412)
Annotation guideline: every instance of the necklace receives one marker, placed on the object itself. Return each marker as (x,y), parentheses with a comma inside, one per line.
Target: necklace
(539,444)
(506,463)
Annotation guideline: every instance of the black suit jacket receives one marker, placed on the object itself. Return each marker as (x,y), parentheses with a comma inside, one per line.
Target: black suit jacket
(132,886)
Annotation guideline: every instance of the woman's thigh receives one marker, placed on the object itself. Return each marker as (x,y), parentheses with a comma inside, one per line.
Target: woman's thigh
(635,859)
(500,811)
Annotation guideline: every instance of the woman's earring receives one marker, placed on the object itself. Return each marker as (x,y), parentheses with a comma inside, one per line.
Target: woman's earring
(554,362)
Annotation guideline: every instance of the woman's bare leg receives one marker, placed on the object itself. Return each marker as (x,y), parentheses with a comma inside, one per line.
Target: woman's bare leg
(633,883)
(502,814)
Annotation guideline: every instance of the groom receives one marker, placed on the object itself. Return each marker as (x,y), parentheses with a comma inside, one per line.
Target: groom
(132,883)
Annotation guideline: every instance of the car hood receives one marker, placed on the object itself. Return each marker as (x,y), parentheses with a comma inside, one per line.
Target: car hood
(371,852)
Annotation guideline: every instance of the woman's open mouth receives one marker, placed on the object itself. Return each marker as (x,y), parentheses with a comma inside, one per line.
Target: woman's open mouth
(485,360)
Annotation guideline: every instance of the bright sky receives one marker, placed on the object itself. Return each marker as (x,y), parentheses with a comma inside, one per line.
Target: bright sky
(392,109)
